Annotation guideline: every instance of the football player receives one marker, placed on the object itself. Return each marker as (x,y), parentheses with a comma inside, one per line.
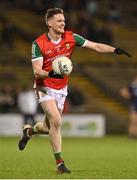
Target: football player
(51,88)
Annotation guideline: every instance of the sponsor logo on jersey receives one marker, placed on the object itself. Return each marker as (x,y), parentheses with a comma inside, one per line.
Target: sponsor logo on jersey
(48,52)
(58,48)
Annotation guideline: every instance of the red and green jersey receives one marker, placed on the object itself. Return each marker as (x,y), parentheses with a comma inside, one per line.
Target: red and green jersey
(43,48)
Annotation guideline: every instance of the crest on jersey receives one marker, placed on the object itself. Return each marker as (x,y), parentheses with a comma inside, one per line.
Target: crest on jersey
(67,46)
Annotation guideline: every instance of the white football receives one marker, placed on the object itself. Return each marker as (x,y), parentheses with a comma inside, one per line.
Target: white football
(62,65)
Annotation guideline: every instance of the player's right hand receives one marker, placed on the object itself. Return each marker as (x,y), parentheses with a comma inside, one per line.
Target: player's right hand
(52,74)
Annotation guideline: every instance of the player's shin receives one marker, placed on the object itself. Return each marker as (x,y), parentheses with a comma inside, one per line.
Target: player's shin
(40,128)
(56,141)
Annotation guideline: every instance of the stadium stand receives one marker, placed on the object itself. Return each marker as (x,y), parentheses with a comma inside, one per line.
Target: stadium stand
(100,77)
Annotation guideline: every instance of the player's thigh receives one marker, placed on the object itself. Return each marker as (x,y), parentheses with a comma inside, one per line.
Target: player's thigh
(60,111)
(50,109)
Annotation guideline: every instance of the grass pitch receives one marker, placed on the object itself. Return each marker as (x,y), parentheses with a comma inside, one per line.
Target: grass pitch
(88,158)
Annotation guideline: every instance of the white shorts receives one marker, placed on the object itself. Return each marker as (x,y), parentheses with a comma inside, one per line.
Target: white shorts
(46,93)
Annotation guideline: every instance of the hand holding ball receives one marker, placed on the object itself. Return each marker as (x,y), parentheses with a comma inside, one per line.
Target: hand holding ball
(62,65)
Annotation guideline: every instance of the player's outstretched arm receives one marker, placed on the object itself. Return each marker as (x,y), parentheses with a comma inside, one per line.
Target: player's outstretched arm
(104,48)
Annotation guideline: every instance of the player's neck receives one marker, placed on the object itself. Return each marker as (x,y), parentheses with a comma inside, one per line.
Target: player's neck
(53,36)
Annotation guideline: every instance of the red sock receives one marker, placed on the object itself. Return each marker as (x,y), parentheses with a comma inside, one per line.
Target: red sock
(59,161)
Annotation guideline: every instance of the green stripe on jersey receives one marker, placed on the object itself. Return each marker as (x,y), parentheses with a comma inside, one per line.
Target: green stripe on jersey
(79,39)
(36,53)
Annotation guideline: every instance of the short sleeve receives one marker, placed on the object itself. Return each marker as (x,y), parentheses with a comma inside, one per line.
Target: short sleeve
(80,41)
(36,53)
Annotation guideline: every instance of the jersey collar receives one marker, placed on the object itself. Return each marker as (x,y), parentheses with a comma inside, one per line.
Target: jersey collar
(55,42)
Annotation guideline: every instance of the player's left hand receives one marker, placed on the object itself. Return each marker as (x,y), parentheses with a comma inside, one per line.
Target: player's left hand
(52,74)
(120,51)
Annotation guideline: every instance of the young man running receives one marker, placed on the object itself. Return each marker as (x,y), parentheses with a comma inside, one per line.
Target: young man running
(51,88)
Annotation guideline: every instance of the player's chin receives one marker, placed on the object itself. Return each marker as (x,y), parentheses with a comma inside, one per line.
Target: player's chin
(61,31)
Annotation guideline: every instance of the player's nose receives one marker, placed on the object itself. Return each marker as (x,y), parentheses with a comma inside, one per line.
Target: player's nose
(63,23)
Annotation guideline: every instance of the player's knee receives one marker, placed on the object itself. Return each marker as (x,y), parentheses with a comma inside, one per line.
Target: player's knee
(56,122)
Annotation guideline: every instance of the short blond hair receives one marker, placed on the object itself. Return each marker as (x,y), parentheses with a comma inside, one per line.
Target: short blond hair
(51,12)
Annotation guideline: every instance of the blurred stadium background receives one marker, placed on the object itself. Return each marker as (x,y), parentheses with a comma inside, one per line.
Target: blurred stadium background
(96,79)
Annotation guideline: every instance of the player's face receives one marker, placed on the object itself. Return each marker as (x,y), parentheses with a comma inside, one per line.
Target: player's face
(58,23)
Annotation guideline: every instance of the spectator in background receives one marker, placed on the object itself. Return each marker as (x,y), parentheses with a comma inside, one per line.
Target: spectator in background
(114,14)
(74,5)
(27,105)
(105,34)
(7,34)
(86,26)
(75,96)
(59,3)
(72,21)
(6,99)
(130,93)
(92,7)
(16,91)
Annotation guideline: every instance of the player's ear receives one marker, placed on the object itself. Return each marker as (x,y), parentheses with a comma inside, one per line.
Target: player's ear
(49,23)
